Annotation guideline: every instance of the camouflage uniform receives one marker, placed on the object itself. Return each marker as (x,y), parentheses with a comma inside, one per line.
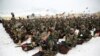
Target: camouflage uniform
(71,39)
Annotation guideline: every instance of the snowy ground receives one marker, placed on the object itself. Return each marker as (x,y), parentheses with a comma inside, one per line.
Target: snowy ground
(7,47)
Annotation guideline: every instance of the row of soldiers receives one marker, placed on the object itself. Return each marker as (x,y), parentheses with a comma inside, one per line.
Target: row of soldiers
(46,33)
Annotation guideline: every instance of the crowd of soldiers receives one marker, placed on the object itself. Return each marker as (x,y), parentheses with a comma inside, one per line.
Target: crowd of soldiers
(46,33)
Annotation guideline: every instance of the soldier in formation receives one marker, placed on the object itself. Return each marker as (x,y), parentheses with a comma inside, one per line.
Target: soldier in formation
(46,32)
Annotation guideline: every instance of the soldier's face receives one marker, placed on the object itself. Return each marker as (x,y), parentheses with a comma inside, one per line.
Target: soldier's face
(83,27)
(71,30)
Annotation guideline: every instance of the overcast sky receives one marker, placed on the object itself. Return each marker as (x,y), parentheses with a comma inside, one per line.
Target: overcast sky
(36,6)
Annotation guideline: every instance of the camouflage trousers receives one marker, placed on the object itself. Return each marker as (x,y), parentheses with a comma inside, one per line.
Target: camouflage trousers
(49,53)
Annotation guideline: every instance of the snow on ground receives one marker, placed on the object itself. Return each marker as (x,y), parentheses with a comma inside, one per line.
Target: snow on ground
(7,47)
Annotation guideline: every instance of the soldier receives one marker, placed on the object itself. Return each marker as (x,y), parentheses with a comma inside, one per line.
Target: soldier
(71,38)
(13,16)
(84,34)
(48,44)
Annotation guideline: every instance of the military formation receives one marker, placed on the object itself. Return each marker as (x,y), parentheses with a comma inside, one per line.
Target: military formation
(46,33)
